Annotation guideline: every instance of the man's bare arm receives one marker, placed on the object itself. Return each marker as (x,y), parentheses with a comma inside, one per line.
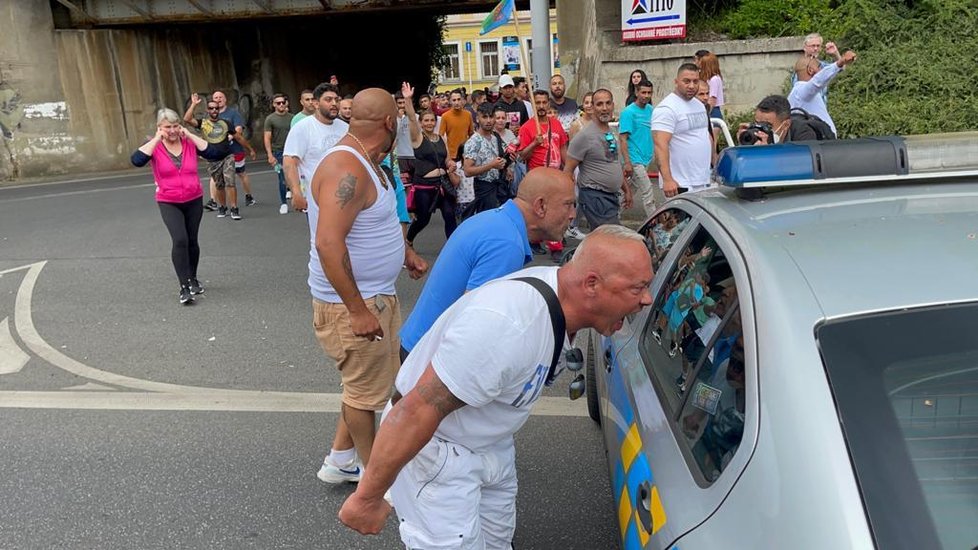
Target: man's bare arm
(409,425)
(335,189)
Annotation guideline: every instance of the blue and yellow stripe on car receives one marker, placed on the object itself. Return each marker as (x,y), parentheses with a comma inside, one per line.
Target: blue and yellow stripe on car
(631,470)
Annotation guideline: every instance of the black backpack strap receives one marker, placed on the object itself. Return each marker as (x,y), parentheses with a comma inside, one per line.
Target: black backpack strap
(556,317)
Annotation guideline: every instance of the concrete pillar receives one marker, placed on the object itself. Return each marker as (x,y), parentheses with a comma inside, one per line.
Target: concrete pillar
(33,114)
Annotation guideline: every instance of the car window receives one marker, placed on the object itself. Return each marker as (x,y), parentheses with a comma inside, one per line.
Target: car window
(906,387)
(662,231)
(694,350)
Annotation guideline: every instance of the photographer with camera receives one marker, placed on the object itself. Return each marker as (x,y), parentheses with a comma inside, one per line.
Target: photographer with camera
(773,124)
(486,160)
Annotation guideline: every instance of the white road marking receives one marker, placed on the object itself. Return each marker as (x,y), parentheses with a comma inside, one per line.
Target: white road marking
(12,358)
(174,397)
(89,386)
(220,400)
(96,178)
(83,192)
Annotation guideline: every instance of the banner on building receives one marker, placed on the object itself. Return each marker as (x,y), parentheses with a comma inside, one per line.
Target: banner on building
(556,53)
(652,20)
(511,53)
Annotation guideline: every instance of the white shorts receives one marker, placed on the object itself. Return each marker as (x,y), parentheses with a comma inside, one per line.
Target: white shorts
(448,497)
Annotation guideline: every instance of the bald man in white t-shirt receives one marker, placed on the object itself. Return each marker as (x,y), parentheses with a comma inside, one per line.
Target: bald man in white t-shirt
(445,449)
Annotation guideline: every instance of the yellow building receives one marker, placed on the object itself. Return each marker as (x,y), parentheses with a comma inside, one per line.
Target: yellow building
(475,62)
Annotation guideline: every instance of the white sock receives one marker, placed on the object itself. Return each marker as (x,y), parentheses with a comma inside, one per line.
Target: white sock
(345,457)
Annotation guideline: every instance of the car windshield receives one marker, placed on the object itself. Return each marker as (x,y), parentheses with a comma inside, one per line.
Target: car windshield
(906,388)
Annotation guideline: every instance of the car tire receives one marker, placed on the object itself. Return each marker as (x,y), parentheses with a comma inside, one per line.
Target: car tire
(591,383)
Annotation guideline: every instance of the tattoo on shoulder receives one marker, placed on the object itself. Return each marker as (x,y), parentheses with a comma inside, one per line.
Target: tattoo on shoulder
(435,393)
(346,189)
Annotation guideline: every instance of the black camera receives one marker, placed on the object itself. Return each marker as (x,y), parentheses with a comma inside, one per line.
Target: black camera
(752,134)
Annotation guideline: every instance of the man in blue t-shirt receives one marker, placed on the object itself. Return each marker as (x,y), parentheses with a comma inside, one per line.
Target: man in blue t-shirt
(635,137)
(492,244)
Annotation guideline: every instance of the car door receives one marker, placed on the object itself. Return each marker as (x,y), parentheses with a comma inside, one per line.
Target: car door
(681,394)
(631,475)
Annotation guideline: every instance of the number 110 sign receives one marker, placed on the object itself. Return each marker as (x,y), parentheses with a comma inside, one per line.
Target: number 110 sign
(652,19)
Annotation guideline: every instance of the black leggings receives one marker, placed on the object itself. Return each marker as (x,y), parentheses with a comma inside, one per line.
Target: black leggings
(182,220)
(425,203)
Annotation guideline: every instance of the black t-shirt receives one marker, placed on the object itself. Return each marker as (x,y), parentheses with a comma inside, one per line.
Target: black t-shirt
(516,107)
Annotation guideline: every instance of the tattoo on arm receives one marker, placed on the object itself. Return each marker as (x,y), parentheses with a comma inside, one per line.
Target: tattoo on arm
(437,395)
(344,193)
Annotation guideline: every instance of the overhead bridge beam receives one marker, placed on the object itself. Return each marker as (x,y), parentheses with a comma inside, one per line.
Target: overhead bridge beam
(128,12)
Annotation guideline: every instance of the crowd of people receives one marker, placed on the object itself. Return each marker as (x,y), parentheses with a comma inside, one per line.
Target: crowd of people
(512,176)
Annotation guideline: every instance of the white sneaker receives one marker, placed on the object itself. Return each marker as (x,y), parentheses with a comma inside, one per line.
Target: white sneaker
(574,233)
(284,209)
(288,194)
(334,474)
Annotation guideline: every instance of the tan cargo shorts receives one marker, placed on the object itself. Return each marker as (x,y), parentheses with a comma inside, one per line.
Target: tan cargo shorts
(367,368)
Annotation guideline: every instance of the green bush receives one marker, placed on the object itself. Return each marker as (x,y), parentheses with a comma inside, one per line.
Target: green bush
(753,18)
(915,72)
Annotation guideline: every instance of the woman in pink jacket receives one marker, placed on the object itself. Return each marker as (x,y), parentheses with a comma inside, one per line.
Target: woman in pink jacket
(172,153)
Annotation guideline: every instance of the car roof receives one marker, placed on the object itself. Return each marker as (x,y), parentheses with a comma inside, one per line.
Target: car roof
(859,248)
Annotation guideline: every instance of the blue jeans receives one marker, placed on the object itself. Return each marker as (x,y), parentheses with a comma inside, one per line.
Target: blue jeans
(281,177)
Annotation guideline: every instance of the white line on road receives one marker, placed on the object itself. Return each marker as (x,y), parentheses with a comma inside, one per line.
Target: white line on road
(163,396)
(84,192)
(221,400)
(12,358)
(94,178)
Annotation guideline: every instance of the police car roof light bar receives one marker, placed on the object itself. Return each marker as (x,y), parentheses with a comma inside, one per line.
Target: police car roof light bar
(882,159)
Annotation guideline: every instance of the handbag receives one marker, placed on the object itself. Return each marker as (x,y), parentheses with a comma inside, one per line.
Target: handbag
(409,197)
(448,189)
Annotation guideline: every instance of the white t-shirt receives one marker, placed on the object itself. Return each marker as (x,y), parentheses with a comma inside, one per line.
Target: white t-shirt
(689,148)
(492,349)
(309,140)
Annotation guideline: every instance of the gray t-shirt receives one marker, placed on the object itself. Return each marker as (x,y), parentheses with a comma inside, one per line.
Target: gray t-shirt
(597,152)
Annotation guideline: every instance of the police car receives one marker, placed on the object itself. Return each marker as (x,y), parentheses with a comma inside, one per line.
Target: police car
(807,375)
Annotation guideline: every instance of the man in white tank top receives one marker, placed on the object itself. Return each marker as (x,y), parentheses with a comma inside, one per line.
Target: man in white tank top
(356,252)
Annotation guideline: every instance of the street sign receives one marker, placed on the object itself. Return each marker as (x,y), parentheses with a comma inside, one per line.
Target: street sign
(652,20)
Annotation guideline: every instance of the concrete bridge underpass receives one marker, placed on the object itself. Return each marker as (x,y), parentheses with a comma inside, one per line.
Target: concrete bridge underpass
(81,80)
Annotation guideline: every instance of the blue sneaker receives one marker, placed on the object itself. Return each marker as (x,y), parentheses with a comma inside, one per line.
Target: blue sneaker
(334,474)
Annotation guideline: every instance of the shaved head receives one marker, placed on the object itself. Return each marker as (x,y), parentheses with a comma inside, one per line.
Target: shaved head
(546,200)
(603,250)
(373,105)
(608,278)
(544,182)
(373,120)
(804,66)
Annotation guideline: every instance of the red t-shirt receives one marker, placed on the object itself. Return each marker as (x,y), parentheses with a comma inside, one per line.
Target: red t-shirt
(558,138)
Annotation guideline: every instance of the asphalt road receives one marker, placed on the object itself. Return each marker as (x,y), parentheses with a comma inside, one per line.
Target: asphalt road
(130,421)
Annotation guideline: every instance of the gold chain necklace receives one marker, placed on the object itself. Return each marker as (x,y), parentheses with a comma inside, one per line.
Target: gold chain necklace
(380,173)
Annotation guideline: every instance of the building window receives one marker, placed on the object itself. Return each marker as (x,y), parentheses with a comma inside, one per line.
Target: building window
(452,70)
(489,53)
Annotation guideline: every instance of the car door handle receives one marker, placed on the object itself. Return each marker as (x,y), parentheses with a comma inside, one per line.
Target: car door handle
(607,360)
(643,505)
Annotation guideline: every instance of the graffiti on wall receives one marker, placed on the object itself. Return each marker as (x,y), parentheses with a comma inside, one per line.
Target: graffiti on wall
(11,110)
